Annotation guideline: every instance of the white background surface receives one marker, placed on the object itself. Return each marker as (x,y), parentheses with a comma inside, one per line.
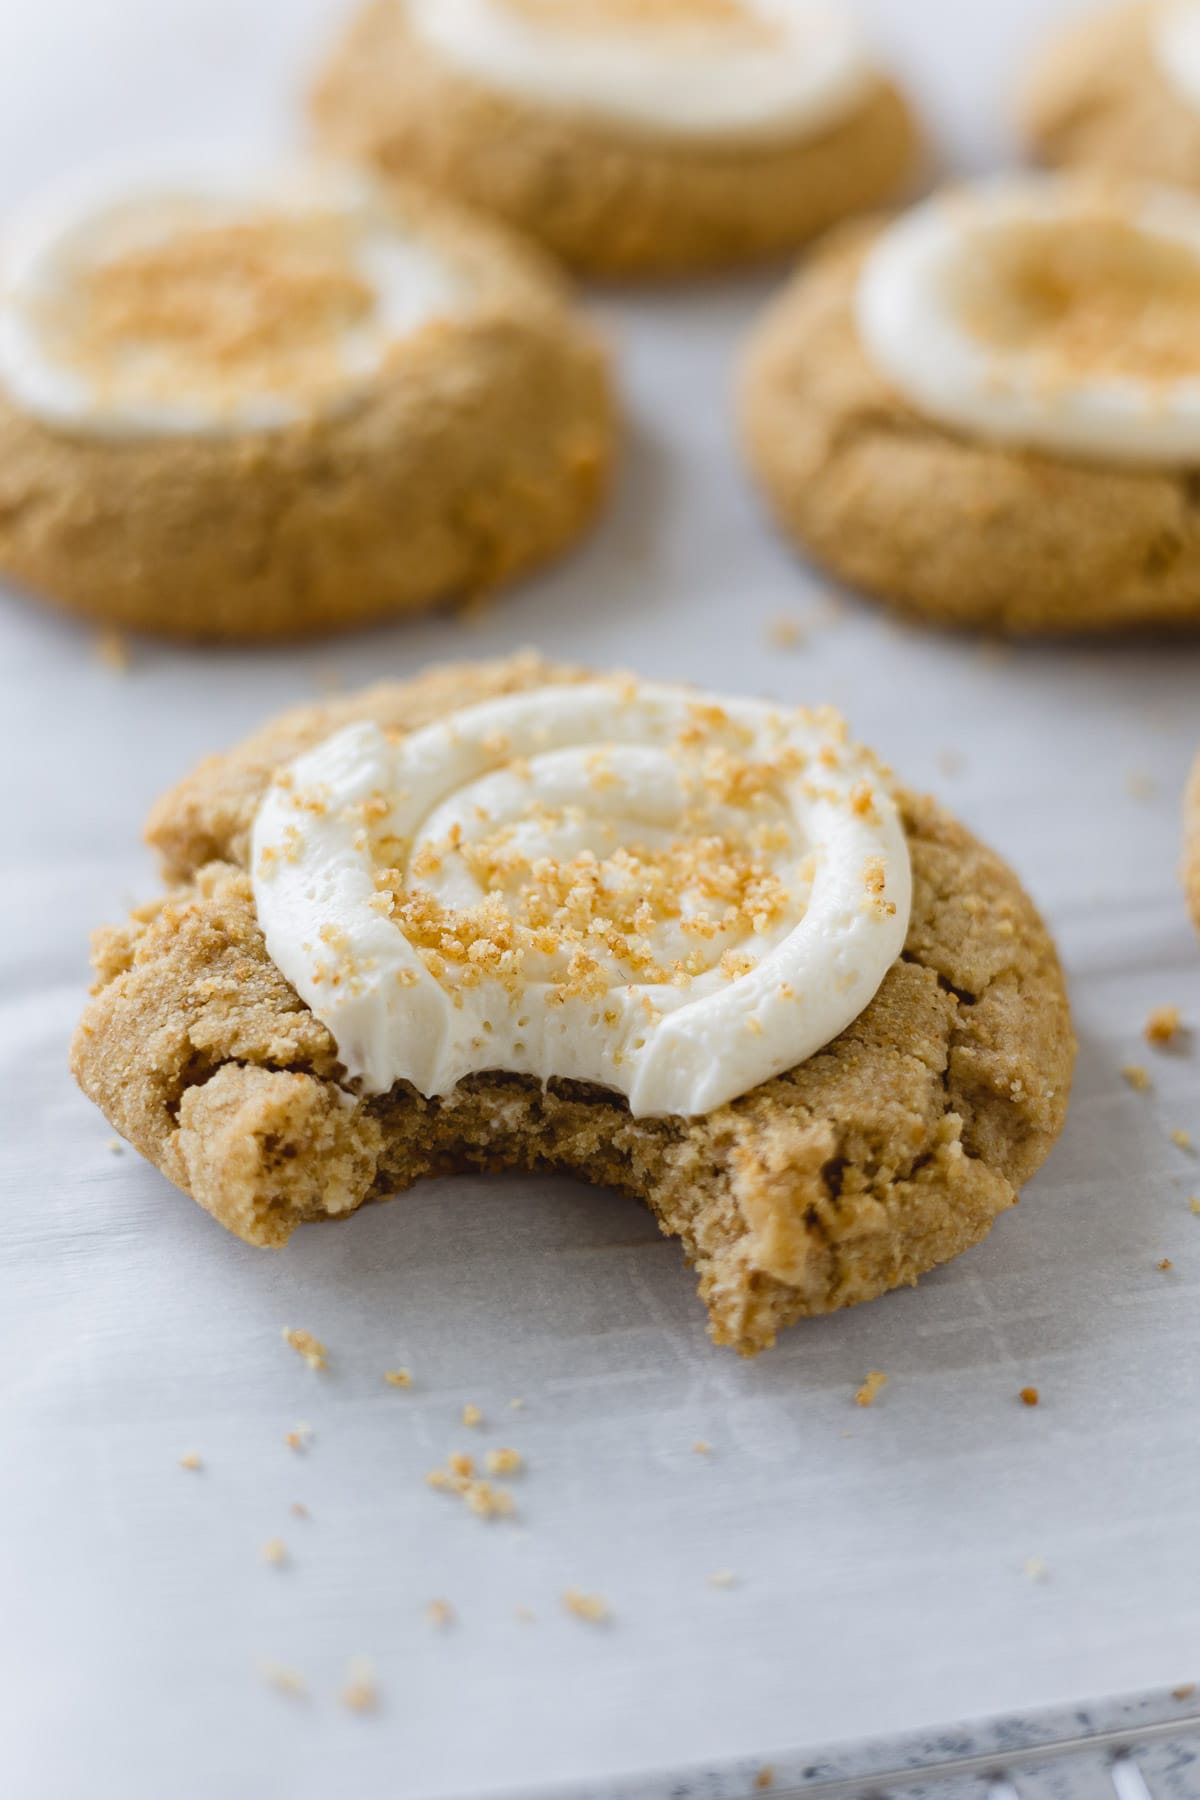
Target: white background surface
(881,1554)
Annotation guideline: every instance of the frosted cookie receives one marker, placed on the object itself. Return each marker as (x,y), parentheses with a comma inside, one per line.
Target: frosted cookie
(1191,844)
(632,137)
(988,411)
(1119,92)
(239,405)
(513,916)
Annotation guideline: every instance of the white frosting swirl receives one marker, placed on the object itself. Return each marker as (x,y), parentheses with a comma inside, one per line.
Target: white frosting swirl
(205,301)
(789,67)
(1045,313)
(1175,43)
(672,896)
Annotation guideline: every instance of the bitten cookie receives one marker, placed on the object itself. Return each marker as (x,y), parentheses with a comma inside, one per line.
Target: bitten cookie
(986,412)
(513,916)
(1119,93)
(632,137)
(254,406)
(1191,844)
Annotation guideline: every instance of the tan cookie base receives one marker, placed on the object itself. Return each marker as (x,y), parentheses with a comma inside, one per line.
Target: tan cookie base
(1097,99)
(482,452)
(952,528)
(1191,844)
(892,1150)
(609,202)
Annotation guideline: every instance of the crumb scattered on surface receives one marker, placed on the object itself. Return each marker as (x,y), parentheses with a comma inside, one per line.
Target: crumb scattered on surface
(765,1779)
(1185,1692)
(275,1551)
(1165,1265)
(871,1388)
(439,1614)
(284,1680)
(1182,1140)
(701,1448)
(1194,1205)
(116,1145)
(516,1405)
(299,1437)
(360,1693)
(1137,1077)
(306,1345)
(471,1415)
(299,1510)
(1162,1026)
(784,633)
(482,1498)
(1030,1396)
(112,650)
(401,1378)
(192,1460)
(586,1606)
(503,1461)
(722,1578)
(1036,1569)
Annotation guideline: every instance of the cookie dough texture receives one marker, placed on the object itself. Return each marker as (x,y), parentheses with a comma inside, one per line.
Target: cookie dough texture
(890,1151)
(1191,844)
(1098,99)
(483,451)
(609,200)
(955,529)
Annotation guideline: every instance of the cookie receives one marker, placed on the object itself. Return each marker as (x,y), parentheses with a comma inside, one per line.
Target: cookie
(985,412)
(238,405)
(631,137)
(602,954)
(1119,92)
(1191,844)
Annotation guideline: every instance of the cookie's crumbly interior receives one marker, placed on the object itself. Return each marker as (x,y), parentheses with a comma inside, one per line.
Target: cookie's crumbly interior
(891,1150)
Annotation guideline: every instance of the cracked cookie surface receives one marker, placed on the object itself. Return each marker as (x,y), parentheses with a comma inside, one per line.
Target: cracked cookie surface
(890,1151)
(609,202)
(946,526)
(483,450)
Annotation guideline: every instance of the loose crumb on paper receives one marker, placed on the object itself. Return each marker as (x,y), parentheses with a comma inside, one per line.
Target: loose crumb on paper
(1165,1266)
(439,1614)
(1030,1396)
(191,1460)
(765,1779)
(471,1415)
(722,1578)
(701,1448)
(784,633)
(275,1552)
(1137,1077)
(1185,1692)
(1182,1140)
(299,1438)
(116,1145)
(360,1693)
(1194,1206)
(306,1345)
(871,1388)
(589,1607)
(401,1378)
(504,1461)
(284,1680)
(1163,1025)
(113,652)
(516,1405)
(1036,1569)
(299,1510)
(480,1497)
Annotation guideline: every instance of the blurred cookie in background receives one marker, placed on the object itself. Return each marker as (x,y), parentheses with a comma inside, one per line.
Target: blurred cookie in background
(238,404)
(1119,91)
(988,411)
(631,137)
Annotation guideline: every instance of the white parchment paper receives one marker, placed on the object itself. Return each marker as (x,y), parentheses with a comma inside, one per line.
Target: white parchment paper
(881,1557)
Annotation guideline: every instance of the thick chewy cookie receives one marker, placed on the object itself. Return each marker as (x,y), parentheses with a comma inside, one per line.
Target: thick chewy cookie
(480,450)
(890,1151)
(610,201)
(1098,98)
(948,526)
